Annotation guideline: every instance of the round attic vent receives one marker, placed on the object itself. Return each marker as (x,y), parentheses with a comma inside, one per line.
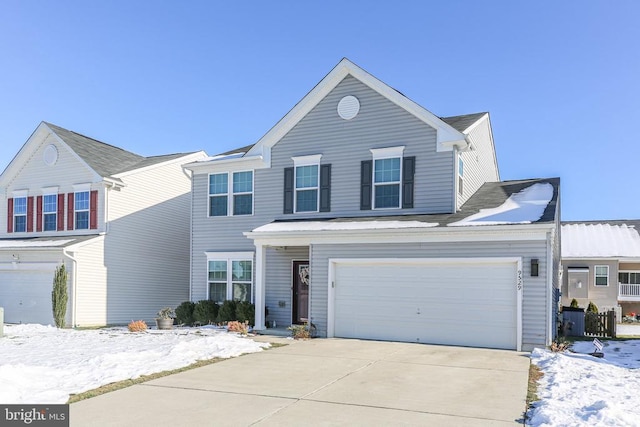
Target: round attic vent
(348,107)
(50,155)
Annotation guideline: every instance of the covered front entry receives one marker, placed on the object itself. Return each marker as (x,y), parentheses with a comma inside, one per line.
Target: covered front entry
(26,296)
(466,301)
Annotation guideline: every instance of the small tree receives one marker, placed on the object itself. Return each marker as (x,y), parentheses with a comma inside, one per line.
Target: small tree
(59,295)
(592,308)
(574,303)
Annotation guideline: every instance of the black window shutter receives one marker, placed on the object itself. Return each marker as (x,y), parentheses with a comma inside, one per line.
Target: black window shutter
(288,190)
(325,188)
(366,184)
(408,172)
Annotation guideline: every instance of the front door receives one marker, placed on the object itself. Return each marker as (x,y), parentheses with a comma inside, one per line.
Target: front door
(300,292)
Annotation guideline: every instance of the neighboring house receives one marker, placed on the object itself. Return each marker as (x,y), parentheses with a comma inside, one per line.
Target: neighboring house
(601,264)
(117,220)
(369,216)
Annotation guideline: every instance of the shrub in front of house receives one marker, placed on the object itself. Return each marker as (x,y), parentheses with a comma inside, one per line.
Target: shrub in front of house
(205,312)
(184,313)
(574,303)
(227,312)
(137,326)
(592,308)
(246,312)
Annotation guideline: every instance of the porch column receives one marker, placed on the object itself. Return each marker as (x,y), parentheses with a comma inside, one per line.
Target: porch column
(260,287)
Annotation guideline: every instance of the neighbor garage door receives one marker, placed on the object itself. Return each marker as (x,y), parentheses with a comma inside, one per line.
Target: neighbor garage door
(26,296)
(468,302)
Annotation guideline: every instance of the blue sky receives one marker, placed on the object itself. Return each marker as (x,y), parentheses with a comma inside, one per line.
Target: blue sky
(561,80)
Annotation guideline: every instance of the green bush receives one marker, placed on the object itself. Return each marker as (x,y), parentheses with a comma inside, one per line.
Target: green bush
(227,312)
(205,312)
(184,313)
(59,295)
(592,308)
(246,312)
(574,303)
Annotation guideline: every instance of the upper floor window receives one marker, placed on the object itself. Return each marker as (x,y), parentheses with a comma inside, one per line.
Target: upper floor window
(460,175)
(386,182)
(243,193)
(307,178)
(602,275)
(629,277)
(20,214)
(50,212)
(241,189)
(81,210)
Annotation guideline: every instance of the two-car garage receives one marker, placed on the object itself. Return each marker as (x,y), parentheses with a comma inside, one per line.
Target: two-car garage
(457,301)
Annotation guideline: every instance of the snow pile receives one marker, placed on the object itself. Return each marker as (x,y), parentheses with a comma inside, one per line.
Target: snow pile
(42,364)
(580,390)
(524,207)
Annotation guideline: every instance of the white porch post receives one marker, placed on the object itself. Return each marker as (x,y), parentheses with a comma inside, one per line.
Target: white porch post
(260,287)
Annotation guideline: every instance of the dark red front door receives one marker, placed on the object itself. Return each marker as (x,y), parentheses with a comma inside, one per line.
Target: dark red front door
(301,279)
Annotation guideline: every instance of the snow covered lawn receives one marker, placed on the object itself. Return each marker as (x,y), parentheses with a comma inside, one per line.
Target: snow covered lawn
(581,390)
(43,364)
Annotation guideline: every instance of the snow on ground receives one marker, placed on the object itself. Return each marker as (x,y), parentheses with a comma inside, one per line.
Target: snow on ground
(43,364)
(581,390)
(342,225)
(524,207)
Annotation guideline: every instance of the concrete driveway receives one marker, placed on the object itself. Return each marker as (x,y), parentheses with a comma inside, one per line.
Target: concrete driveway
(328,382)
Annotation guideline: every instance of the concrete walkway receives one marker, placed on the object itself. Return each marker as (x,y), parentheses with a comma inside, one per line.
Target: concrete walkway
(328,382)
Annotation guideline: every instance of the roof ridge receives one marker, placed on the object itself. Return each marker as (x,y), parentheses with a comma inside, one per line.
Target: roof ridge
(92,139)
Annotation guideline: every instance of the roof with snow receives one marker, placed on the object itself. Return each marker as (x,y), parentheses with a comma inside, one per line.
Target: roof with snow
(107,160)
(601,239)
(51,242)
(531,201)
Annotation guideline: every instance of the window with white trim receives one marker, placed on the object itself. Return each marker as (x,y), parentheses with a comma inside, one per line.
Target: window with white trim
(230,276)
(629,277)
(20,214)
(602,275)
(50,212)
(307,183)
(240,186)
(387,177)
(81,210)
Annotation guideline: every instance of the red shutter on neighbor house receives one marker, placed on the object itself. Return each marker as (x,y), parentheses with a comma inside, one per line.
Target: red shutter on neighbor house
(30,214)
(39,213)
(60,212)
(10,215)
(93,210)
(70,211)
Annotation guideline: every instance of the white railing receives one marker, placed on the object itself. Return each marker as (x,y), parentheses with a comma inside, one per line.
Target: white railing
(628,292)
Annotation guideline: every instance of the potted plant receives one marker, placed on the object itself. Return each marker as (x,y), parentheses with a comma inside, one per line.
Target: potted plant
(165,318)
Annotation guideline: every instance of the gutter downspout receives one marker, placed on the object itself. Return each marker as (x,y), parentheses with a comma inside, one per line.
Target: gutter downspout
(74,299)
(190,176)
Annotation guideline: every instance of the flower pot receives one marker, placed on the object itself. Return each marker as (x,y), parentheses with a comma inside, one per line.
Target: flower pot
(164,323)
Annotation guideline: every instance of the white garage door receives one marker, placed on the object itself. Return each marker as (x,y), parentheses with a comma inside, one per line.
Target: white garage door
(468,302)
(26,296)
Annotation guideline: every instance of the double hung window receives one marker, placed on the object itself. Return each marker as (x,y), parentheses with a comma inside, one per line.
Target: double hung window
(20,214)
(230,276)
(241,189)
(387,177)
(50,212)
(602,275)
(81,210)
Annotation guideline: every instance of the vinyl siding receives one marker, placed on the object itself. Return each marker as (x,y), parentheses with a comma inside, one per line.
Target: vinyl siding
(343,144)
(91,285)
(480,164)
(35,175)
(279,282)
(147,246)
(605,297)
(534,311)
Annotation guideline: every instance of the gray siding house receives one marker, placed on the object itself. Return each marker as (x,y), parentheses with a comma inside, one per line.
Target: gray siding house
(370,217)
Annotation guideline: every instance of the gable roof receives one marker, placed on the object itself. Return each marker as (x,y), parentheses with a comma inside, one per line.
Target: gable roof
(601,239)
(447,135)
(462,123)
